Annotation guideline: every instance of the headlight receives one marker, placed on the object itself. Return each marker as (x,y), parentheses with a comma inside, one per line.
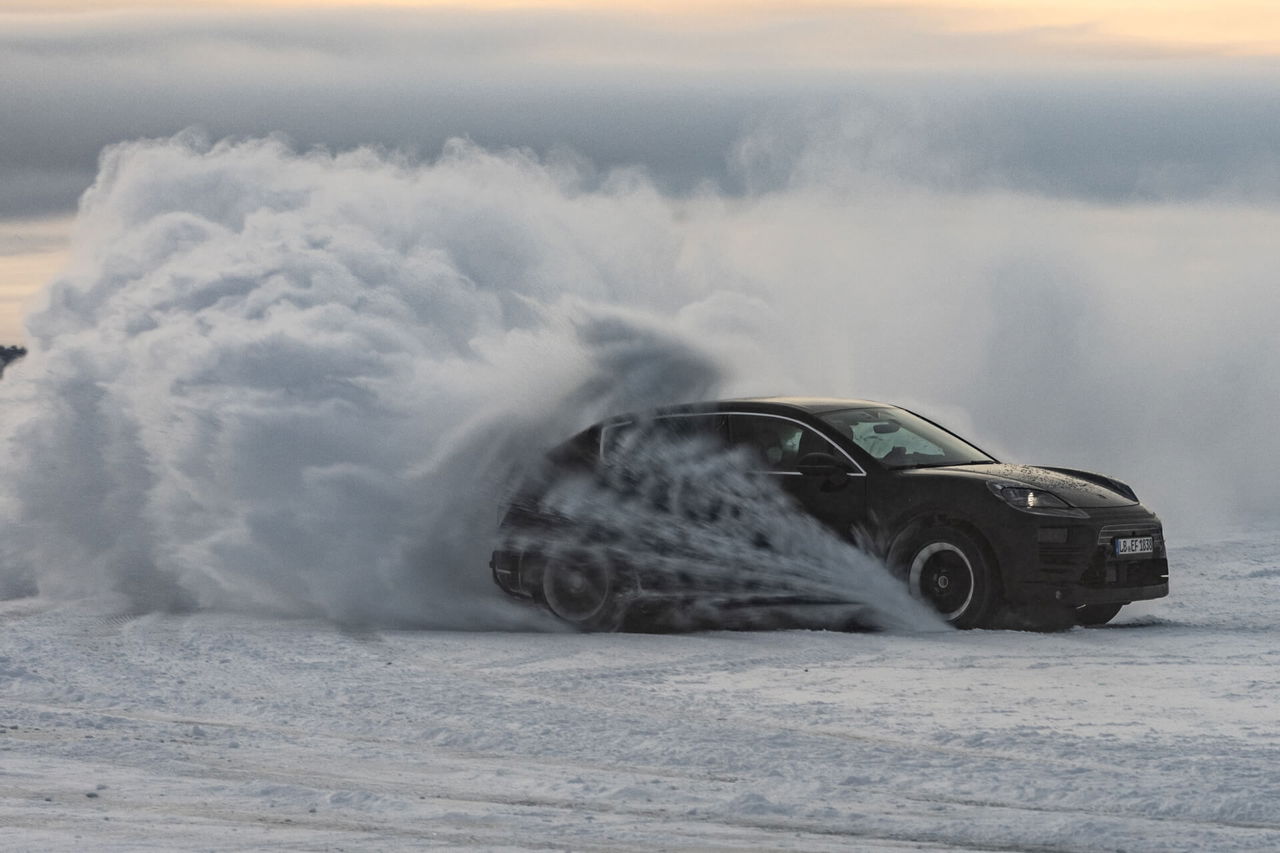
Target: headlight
(1036,501)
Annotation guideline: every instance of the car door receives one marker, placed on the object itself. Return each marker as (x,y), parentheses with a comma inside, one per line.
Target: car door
(779,444)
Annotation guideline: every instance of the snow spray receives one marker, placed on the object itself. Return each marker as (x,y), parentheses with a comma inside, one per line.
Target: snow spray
(723,543)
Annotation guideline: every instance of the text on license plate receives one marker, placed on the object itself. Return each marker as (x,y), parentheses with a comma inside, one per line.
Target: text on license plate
(1134,545)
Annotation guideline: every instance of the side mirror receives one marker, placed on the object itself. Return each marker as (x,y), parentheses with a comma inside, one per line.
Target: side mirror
(823,465)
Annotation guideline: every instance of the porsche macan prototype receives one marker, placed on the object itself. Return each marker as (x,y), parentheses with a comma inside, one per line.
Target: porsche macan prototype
(975,538)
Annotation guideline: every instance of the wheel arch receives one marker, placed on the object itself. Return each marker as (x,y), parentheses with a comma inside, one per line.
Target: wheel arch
(898,556)
(532,565)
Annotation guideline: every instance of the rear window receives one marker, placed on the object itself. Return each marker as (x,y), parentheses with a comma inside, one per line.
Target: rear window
(664,428)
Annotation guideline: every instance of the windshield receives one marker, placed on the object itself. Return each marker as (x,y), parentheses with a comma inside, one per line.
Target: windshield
(899,439)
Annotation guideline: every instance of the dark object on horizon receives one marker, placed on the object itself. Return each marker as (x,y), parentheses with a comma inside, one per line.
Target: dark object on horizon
(986,544)
(8,354)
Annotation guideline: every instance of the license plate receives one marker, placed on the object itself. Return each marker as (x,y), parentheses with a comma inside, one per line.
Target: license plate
(1135,546)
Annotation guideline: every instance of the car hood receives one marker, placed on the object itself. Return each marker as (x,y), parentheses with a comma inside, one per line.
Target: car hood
(1078,488)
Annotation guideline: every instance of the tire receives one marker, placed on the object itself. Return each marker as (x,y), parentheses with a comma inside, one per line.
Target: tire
(584,593)
(950,570)
(1096,614)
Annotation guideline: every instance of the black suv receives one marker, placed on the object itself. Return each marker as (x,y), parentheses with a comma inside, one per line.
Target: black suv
(975,538)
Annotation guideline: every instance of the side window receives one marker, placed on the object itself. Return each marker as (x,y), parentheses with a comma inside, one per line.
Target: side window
(777,443)
(663,428)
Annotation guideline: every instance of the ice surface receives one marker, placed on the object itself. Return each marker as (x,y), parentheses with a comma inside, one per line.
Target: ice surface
(224,732)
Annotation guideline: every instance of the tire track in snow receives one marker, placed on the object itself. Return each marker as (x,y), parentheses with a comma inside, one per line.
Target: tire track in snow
(699,831)
(249,727)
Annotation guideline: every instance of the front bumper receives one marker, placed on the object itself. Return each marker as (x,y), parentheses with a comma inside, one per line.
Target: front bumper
(1078,595)
(1076,563)
(505,567)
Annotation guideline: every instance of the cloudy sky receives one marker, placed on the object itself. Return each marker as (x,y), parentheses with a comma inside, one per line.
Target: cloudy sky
(1104,101)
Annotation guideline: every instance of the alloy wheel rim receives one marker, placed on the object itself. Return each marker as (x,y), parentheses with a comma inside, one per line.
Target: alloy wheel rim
(942,576)
(577,592)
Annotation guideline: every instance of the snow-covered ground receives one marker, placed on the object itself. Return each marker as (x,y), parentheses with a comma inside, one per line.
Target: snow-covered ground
(226,732)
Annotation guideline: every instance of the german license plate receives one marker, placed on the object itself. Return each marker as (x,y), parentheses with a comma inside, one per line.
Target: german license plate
(1135,546)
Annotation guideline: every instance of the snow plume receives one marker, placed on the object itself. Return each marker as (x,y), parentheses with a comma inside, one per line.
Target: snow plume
(300,384)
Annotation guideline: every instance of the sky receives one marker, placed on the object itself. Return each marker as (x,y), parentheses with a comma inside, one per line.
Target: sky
(1099,100)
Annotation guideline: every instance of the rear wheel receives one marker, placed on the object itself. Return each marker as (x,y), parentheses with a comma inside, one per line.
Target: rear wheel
(584,593)
(1096,614)
(950,571)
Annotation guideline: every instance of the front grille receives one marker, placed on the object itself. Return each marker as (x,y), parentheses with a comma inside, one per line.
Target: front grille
(1114,531)
(1107,570)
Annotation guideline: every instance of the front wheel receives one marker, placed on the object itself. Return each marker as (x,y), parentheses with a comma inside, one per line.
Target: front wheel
(585,593)
(950,571)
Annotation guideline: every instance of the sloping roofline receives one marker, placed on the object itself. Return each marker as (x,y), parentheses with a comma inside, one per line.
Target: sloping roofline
(814,404)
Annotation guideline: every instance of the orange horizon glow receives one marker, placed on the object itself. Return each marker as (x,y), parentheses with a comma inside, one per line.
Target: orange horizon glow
(1234,27)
